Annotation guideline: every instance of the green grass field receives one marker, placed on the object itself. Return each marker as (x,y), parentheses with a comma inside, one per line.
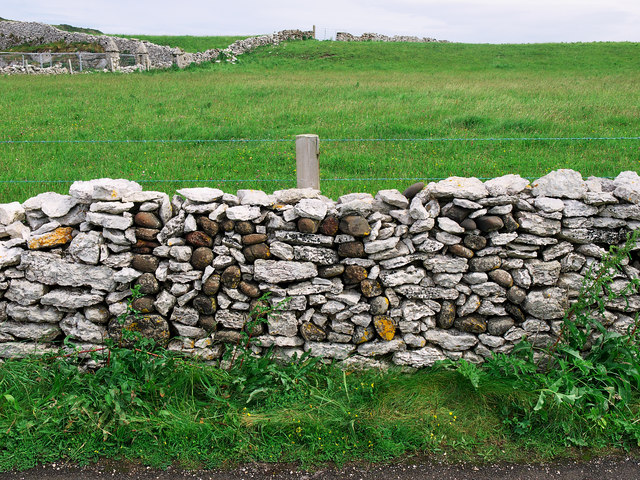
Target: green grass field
(338,91)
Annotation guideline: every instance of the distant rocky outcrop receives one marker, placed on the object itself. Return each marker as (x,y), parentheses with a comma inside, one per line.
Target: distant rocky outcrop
(13,33)
(376,37)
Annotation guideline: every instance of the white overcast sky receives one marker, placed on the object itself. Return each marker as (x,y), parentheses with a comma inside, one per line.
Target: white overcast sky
(473,21)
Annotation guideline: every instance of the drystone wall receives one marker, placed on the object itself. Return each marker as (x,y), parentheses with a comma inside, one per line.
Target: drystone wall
(377,37)
(456,269)
(149,55)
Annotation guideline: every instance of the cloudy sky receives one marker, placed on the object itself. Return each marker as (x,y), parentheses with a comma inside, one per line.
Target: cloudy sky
(474,21)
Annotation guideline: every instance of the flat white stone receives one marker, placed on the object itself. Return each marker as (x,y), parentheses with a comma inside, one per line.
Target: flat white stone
(11,212)
(105,220)
(449,225)
(201,194)
(563,183)
(506,185)
(311,208)
(255,197)
(52,204)
(393,197)
(103,189)
(459,187)
(243,213)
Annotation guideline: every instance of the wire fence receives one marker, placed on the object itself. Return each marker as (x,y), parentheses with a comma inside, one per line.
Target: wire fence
(76,61)
(289,180)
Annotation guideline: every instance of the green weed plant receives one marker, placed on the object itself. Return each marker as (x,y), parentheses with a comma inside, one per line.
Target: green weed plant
(584,387)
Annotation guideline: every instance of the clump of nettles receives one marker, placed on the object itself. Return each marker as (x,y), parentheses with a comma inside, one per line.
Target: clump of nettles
(584,387)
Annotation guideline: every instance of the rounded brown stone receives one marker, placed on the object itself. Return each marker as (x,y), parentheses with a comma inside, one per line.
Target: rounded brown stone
(456,213)
(254,238)
(379,306)
(351,249)
(475,242)
(150,234)
(204,304)
(516,295)
(354,274)
(364,334)
(259,309)
(485,264)
(254,329)
(208,226)
(468,224)
(515,312)
(211,285)
(461,251)
(208,322)
(499,325)
(228,336)
(148,284)
(510,224)
(330,271)
(447,315)
(249,289)
(385,327)
(308,225)
(231,276)
(227,225)
(147,220)
(201,258)
(489,223)
(471,324)
(143,305)
(145,263)
(254,252)
(329,226)
(146,244)
(245,228)
(501,277)
(149,326)
(413,190)
(312,333)
(142,250)
(199,239)
(370,288)
(355,225)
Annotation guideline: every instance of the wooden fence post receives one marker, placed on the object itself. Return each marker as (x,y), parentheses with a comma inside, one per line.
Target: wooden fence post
(307,165)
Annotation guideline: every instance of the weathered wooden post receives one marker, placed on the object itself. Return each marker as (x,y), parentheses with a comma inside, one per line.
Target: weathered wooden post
(307,164)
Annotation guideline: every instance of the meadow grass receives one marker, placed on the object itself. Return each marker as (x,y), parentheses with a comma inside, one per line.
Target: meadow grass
(166,411)
(336,90)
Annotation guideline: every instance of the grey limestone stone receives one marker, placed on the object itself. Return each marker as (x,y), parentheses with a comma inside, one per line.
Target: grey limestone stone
(562,183)
(283,271)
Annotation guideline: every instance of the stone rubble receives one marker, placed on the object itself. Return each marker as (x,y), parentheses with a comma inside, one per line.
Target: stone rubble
(459,270)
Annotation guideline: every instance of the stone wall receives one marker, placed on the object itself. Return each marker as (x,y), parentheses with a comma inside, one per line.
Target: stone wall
(376,37)
(456,269)
(14,33)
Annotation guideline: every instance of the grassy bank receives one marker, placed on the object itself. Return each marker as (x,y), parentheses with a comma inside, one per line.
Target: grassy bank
(337,90)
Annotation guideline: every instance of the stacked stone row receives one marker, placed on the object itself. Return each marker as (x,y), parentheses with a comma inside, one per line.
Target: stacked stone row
(459,269)
(65,263)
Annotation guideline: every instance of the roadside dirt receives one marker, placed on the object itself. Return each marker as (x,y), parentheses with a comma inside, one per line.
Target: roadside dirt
(611,468)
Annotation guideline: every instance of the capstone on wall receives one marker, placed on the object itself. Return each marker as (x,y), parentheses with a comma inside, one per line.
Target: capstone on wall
(457,269)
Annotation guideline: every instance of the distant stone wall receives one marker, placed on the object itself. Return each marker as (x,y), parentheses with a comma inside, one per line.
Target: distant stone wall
(376,37)
(457,269)
(14,33)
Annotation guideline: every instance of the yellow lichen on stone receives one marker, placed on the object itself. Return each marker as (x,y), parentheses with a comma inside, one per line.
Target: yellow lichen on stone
(385,327)
(367,334)
(60,236)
